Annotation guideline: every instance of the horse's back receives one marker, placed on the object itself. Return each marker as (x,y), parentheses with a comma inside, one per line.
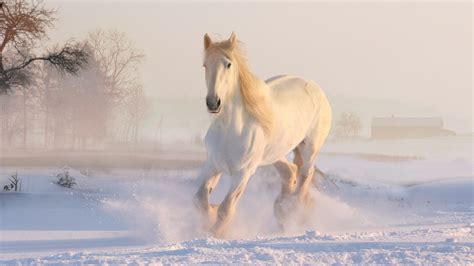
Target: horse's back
(296,105)
(287,89)
(293,86)
(285,82)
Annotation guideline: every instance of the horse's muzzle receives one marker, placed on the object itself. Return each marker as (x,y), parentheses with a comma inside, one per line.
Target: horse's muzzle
(213,104)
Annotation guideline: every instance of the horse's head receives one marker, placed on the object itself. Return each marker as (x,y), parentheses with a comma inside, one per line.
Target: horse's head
(221,71)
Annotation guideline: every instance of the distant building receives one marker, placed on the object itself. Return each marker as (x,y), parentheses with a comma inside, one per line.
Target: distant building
(408,127)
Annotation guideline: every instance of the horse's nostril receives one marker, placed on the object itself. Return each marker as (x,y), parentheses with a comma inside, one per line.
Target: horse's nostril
(213,103)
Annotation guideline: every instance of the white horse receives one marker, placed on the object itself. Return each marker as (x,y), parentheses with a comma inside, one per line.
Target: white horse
(258,123)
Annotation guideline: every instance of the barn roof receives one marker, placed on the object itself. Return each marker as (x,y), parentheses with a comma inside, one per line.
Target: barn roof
(407,122)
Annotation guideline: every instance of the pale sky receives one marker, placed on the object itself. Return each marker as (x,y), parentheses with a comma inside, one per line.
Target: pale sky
(377,59)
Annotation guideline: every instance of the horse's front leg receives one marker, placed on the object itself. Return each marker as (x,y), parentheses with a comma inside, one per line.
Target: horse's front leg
(210,177)
(283,204)
(226,209)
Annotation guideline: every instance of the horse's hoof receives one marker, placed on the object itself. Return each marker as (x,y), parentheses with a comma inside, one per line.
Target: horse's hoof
(208,216)
(219,231)
(294,208)
(308,202)
(283,208)
(212,213)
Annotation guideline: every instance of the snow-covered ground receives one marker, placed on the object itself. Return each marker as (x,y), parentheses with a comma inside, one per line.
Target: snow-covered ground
(369,210)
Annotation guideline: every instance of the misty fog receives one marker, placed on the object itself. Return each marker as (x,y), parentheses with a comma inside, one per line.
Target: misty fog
(372,59)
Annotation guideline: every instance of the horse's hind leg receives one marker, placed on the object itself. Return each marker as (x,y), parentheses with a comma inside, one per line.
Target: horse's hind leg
(309,153)
(210,177)
(288,172)
(298,160)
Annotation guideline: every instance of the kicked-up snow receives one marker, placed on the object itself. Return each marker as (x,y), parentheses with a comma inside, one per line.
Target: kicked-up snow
(367,211)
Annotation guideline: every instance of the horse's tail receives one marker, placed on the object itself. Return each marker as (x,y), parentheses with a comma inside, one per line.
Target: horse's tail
(323,175)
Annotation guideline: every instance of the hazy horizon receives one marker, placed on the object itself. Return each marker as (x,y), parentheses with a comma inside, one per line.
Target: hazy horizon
(376,59)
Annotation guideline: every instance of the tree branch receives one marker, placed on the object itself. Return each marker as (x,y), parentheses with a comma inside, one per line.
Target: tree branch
(70,59)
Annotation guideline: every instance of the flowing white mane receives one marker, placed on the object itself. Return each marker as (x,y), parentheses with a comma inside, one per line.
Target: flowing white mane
(253,95)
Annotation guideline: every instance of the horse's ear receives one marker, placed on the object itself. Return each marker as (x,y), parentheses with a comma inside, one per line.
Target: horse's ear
(233,39)
(207,41)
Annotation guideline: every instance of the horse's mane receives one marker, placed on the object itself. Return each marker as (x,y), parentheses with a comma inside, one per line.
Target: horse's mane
(254,98)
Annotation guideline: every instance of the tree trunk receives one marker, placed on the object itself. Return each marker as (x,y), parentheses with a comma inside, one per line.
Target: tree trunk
(25,119)
(74,136)
(3,83)
(127,132)
(3,117)
(135,133)
(1,63)
(46,116)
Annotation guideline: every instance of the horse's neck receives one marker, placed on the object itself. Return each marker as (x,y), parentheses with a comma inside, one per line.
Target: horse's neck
(234,114)
(234,110)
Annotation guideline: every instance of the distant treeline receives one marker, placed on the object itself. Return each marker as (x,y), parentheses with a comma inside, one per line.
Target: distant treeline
(75,96)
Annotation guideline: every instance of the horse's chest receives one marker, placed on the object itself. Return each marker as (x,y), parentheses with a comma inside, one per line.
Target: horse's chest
(230,151)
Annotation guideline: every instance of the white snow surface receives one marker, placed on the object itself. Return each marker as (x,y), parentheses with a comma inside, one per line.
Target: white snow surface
(381,212)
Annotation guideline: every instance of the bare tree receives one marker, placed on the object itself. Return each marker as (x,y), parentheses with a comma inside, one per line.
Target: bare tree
(74,108)
(10,119)
(23,24)
(136,109)
(348,125)
(119,60)
(46,101)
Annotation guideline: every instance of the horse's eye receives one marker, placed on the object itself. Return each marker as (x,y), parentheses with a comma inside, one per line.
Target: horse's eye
(228,65)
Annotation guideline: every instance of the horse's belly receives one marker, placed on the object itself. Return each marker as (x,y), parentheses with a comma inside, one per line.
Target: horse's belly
(278,149)
(290,130)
